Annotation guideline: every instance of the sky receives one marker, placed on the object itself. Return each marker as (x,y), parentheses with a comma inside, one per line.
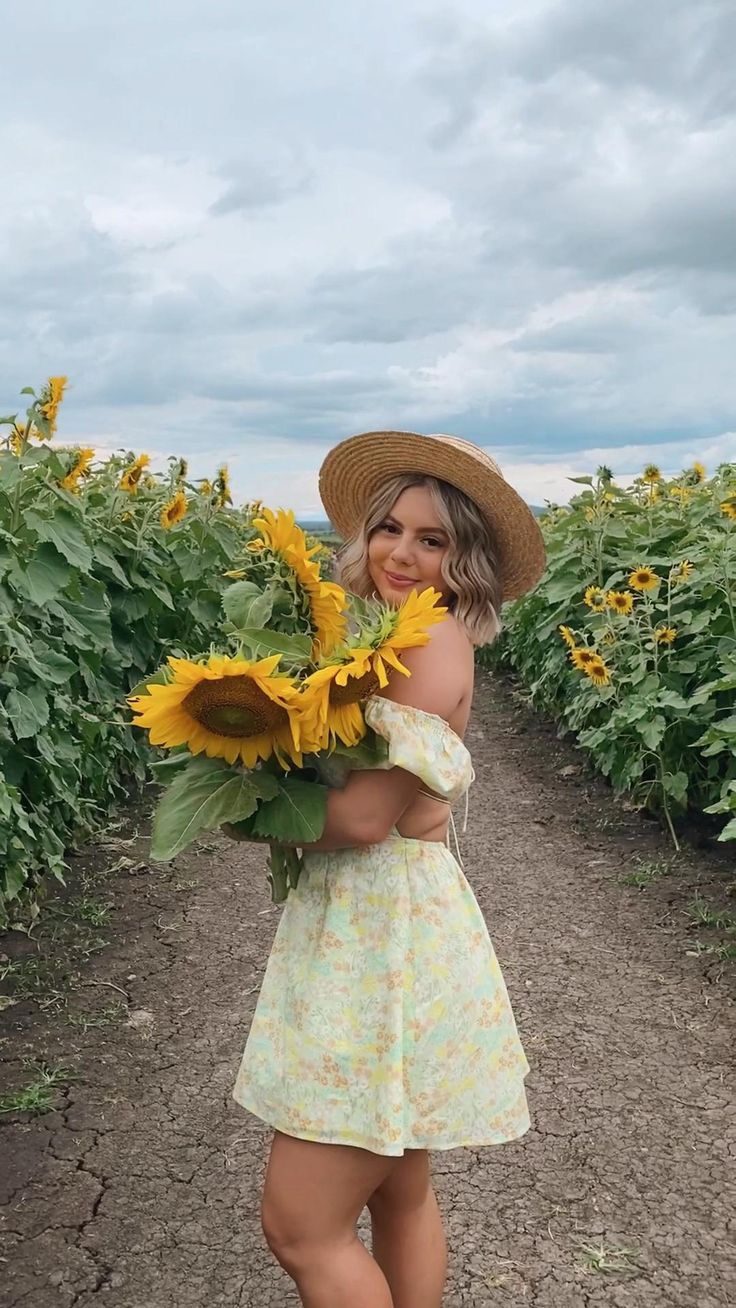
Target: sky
(248,230)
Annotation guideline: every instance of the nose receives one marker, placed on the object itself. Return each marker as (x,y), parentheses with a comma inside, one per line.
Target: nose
(402,551)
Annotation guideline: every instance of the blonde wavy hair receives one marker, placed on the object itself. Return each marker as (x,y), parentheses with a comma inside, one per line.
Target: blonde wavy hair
(468,566)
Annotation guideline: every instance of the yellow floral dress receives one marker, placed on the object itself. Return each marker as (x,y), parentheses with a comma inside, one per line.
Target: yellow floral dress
(383,1019)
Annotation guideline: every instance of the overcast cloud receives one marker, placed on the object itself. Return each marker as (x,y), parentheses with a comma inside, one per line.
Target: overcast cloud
(245,231)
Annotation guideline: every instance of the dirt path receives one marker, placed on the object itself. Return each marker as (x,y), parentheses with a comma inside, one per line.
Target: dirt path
(142,1184)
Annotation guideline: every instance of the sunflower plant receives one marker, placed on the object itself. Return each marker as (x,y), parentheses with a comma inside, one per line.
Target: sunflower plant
(260,728)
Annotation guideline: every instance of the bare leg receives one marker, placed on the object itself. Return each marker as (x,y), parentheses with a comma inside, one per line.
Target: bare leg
(313,1197)
(408,1237)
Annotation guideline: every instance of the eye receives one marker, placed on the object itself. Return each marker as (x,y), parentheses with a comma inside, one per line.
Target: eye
(388,526)
(432,540)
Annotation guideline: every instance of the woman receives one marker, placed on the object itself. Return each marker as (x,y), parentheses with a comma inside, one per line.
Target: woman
(383,1027)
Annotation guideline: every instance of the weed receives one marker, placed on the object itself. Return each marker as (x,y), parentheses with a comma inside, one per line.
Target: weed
(601,1258)
(702,914)
(647,870)
(105,1017)
(40,980)
(37,1096)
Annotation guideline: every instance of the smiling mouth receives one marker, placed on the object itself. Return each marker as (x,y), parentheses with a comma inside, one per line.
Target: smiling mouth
(394,576)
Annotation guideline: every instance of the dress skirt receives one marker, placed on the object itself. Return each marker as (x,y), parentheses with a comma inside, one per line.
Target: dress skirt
(383,1020)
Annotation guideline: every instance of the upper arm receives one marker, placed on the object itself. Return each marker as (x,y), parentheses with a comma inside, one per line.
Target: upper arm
(438,670)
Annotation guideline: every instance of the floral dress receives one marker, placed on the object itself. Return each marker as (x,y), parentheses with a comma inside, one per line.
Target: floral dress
(383,1019)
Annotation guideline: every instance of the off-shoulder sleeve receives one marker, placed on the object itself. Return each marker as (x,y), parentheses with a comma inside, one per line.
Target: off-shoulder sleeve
(422,744)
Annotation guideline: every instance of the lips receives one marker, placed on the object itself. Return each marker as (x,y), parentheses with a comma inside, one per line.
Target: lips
(401,581)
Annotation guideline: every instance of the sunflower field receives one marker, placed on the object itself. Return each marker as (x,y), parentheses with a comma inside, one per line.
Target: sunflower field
(104,566)
(629,640)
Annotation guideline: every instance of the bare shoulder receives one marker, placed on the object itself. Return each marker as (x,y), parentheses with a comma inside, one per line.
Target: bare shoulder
(441,671)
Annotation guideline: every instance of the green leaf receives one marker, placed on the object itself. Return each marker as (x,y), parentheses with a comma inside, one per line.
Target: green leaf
(54,667)
(652,730)
(582,481)
(296,816)
(63,531)
(237,601)
(44,577)
(11,471)
(207,793)
(263,643)
(28,711)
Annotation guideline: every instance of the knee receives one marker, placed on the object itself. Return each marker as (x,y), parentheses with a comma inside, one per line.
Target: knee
(285,1242)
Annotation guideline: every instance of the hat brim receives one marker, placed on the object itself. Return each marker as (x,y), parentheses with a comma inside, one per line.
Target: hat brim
(355,469)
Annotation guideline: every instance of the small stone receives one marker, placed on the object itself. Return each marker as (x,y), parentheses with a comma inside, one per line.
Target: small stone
(140,1017)
(56,1278)
(115,1280)
(131,977)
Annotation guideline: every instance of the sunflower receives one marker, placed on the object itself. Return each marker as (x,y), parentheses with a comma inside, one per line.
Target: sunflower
(79,469)
(340,687)
(174,511)
(567,636)
(598,671)
(698,471)
(621,601)
(133,473)
(665,635)
(681,572)
(595,598)
(223,494)
(729,507)
(651,474)
(51,397)
(583,657)
(16,440)
(205,487)
(226,708)
(327,601)
(643,579)
(682,493)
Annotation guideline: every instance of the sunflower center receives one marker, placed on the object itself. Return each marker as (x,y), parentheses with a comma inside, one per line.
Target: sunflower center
(234,706)
(357,688)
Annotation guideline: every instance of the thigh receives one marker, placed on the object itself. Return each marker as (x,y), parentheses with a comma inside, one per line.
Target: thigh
(314,1191)
(406,1186)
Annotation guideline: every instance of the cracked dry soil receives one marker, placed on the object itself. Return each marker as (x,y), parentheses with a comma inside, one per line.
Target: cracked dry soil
(142,1184)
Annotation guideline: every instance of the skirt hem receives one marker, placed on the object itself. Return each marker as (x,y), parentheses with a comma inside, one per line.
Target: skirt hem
(378,1147)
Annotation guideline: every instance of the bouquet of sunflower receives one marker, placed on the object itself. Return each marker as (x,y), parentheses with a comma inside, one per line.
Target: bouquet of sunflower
(261,726)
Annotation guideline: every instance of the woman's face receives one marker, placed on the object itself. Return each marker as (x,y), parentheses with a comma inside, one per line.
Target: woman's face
(406,550)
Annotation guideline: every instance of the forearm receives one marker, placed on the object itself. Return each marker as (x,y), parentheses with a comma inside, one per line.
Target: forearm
(345,825)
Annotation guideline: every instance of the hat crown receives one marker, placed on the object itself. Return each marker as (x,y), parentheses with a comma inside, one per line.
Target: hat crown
(467,447)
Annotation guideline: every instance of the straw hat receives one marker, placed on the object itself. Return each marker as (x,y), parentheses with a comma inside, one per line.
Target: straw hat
(355,469)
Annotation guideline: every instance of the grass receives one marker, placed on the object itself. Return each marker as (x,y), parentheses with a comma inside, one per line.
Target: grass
(648,870)
(601,1258)
(702,914)
(38,1095)
(107,1016)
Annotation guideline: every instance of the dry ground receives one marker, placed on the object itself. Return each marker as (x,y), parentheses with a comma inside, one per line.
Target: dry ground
(140,1183)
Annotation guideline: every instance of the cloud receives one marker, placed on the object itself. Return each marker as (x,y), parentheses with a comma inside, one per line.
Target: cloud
(244,238)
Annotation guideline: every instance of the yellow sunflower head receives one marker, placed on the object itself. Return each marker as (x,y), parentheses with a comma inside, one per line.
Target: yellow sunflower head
(621,601)
(223,494)
(595,598)
(174,511)
(598,671)
(567,636)
(698,471)
(665,635)
(225,708)
(583,657)
(133,473)
(79,469)
(205,487)
(51,397)
(728,507)
(681,572)
(327,602)
(651,474)
(643,579)
(336,693)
